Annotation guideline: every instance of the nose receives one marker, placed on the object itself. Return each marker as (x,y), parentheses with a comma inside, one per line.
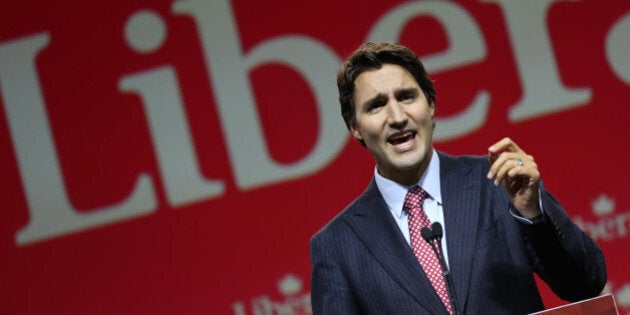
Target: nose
(397,115)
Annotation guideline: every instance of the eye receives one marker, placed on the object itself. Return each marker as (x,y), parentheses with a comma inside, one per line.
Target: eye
(375,104)
(408,96)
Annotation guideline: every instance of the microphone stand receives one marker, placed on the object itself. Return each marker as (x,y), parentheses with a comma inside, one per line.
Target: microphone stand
(433,236)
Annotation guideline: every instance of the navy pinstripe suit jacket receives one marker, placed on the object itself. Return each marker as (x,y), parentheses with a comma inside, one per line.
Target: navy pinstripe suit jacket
(361,263)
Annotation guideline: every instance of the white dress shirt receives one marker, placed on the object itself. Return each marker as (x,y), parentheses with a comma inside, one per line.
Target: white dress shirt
(394,195)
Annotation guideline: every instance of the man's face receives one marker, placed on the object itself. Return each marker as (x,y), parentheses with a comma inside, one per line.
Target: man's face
(395,121)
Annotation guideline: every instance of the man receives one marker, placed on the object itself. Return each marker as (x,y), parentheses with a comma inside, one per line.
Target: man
(500,224)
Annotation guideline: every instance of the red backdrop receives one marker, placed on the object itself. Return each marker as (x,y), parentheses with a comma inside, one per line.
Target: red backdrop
(174,157)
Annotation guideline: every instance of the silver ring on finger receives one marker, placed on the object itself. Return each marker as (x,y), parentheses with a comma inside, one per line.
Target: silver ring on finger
(519,162)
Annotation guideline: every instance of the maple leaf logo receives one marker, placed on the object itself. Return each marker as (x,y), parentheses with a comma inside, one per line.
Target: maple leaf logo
(290,285)
(603,205)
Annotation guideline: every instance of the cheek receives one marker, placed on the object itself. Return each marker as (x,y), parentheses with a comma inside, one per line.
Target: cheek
(372,130)
(362,128)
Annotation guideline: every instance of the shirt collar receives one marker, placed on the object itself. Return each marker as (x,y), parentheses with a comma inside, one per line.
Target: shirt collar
(394,193)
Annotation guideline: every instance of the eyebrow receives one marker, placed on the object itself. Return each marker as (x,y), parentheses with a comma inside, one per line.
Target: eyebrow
(382,96)
(371,102)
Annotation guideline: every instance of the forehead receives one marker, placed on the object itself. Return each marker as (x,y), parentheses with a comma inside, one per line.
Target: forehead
(385,80)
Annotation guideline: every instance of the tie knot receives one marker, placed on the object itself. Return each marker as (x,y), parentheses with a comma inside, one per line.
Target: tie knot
(415,197)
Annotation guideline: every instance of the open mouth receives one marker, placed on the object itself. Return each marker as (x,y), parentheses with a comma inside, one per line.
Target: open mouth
(401,137)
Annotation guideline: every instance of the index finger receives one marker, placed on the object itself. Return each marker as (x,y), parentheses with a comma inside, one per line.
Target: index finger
(505,144)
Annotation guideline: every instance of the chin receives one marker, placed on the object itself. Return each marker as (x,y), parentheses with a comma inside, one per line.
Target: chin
(408,163)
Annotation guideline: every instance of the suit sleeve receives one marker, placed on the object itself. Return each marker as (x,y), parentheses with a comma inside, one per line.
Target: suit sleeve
(565,257)
(330,292)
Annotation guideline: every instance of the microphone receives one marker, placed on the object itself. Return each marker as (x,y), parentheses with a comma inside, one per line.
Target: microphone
(433,236)
(427,234)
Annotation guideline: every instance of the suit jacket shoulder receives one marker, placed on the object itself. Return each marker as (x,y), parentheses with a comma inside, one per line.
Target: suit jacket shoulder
(362,263)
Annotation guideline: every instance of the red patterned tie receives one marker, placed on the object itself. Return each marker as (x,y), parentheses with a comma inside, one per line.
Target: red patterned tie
(429,262)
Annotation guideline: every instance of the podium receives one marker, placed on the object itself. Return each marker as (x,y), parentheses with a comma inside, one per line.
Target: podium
(601,305)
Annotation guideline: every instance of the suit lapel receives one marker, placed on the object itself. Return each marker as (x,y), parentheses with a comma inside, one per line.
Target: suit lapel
(373,224)
(461,210)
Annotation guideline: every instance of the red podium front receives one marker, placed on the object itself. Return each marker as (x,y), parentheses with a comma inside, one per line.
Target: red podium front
(601,305)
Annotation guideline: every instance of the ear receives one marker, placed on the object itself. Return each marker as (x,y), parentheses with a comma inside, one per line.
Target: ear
(355,131)
(432,113)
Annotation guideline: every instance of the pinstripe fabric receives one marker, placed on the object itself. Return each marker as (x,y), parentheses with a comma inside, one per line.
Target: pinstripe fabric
(361,263)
